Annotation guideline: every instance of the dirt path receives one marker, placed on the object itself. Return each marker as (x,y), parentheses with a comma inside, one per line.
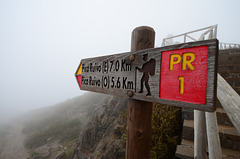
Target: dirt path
(14,148)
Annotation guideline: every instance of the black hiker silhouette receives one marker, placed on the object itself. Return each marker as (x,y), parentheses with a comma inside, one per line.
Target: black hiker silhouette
(147,68)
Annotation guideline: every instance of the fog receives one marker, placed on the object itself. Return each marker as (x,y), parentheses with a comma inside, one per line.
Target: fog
(43,41)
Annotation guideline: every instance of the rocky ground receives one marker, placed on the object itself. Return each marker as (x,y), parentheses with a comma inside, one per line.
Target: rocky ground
(13,147)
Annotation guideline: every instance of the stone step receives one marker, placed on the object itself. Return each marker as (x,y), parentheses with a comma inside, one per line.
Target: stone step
(229,136)
(222,117)
(186,151)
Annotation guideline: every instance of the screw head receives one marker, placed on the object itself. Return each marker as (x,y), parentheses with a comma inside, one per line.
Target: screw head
(130,93)
(131,57)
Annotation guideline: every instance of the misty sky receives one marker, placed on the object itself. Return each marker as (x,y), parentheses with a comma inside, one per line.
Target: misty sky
(43,41)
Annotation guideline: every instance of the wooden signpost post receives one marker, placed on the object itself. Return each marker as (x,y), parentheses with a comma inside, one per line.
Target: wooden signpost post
(183,75)
(139,119)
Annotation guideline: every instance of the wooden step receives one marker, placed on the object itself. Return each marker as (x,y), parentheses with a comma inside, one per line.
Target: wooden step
(188,130)
(229,137)
(186,151)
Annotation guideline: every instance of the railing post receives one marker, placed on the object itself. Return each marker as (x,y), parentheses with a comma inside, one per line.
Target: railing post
(214,147)
(210,36)
(201,37)
(215,32)
(200,136)
(163,42)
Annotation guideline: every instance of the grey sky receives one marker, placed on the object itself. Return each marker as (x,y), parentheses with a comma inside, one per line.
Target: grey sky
(42,41)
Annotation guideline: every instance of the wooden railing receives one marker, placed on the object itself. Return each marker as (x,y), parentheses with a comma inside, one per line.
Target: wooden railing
(230,101)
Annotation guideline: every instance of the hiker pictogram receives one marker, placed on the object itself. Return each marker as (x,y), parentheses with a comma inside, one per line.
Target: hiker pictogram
(148,68)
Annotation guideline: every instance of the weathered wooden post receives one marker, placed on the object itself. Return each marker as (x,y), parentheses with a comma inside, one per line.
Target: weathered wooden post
(214,146)
(139,121)
(200,136)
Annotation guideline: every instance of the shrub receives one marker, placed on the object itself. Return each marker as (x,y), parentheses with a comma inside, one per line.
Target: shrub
(166,131)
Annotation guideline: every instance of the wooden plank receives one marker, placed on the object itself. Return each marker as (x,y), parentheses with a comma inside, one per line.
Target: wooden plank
(214,146)
(139,120)
(139,75)
(200,136)
(230,101)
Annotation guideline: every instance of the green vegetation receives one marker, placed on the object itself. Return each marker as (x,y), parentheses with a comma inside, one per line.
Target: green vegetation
(63,130)
(123,121)
(33,154)
(166,130)
(69,152)
(36,125)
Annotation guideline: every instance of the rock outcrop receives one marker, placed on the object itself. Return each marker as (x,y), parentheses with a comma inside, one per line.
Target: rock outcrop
(102,136)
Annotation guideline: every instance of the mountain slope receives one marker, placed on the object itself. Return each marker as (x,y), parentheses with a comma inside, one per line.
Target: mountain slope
(102,135)
(90,126)
(50,131)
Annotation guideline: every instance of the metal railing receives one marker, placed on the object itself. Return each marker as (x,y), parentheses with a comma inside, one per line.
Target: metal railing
(211,31)
(224,46)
